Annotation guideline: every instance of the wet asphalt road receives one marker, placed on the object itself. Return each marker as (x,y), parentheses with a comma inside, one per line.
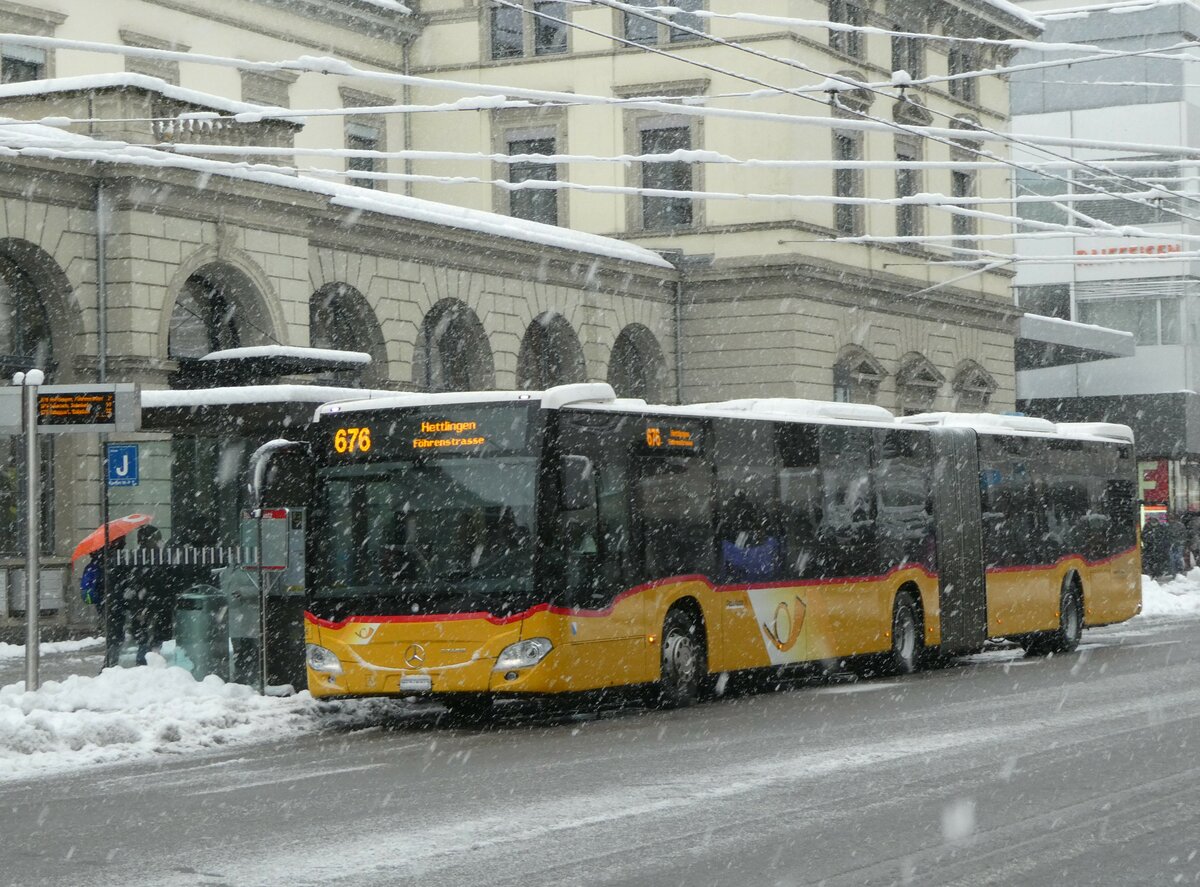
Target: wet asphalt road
(1078,770)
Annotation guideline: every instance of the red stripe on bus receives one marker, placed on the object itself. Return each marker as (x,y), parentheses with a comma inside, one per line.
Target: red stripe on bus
(1029,568)
(607,611)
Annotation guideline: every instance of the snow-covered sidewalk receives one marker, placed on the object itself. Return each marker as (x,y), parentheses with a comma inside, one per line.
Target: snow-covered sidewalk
(128,713)
(125,714)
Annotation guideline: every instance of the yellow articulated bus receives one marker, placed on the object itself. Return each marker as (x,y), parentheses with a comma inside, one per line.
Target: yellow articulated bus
(483,545)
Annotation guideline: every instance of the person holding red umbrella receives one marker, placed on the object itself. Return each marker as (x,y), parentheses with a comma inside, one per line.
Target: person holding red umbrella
(95,583)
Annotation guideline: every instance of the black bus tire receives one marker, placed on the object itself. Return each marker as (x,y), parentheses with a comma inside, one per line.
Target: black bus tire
(1070,620)
(684,661)
(1065,638)
(907,637)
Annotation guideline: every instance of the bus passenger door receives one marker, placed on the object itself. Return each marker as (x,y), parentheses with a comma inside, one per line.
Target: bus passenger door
(605,636)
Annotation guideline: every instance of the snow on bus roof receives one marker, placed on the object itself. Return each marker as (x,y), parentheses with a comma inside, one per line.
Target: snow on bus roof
(995,423)
(600,396)
(252,394)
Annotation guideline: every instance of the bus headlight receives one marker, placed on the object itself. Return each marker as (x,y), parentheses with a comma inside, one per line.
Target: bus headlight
(523,654)
(322,660)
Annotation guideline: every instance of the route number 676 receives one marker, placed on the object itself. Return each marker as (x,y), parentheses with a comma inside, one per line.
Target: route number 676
(352,440)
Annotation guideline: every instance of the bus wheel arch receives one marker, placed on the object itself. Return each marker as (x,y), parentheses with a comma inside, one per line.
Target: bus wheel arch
(683,663)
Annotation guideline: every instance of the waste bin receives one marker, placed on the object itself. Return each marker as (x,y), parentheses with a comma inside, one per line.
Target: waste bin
(202,631)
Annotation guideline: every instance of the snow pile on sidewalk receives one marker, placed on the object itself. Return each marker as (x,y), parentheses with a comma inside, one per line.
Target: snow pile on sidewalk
(17,651)
(1172,597)
(128,713)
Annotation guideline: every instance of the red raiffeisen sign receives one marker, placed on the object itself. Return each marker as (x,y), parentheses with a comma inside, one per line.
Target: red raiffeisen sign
(1155,481)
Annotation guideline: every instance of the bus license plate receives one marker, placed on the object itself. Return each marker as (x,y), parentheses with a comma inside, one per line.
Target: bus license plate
(416,683)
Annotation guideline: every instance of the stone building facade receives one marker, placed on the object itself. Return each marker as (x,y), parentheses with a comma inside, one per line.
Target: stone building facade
(120,262)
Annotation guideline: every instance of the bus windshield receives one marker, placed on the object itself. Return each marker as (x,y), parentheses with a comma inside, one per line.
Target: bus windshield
(460,525)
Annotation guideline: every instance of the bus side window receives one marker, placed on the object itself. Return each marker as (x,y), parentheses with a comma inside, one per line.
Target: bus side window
(904,506)
(800,499)
(674,502)
(847,532)
(577,539)
(749,543)
(615,526)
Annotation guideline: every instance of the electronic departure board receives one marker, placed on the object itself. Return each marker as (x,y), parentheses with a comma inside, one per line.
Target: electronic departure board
(77,408)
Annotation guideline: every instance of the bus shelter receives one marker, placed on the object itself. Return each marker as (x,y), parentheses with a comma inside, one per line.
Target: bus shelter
(197,564)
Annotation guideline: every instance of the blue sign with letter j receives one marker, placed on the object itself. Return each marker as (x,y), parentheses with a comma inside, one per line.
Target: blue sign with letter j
(123,465)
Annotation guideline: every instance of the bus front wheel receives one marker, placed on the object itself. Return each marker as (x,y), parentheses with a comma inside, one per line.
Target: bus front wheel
(683,661)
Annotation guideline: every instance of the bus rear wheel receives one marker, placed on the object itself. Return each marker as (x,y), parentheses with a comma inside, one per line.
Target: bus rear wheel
(905,656)
(1065,638)
(684,663)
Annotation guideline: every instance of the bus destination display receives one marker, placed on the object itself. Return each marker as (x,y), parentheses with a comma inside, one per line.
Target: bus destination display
(77,408)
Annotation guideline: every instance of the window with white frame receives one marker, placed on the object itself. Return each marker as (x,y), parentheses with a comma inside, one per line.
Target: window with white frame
(909,216)
(963,227)
(963,59)
(1153,321)
(847,181)
(19,64)
(645,28)
(152,66)
(1046,299)
(536,28)
(908,54)
(364,135)
(665,135)
(847,41)
(537,204)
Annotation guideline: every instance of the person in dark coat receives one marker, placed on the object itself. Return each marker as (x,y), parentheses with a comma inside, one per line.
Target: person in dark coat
(151,602)
(1156,548)
(111,602)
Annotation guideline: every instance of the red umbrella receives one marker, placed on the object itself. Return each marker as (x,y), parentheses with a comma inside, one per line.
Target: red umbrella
(122,526)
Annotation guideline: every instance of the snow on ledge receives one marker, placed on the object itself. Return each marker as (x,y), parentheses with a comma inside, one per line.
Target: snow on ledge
(138,81)
(39,141)
(254,351)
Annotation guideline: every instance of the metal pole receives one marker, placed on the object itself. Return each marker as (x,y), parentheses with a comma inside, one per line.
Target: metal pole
(33,540)
(262,608)
(102,219)
(106,610)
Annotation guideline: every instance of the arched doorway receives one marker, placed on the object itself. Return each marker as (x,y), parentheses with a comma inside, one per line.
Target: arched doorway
(550,354)
(25,343)
(452,352)
(341,319)
(636,367)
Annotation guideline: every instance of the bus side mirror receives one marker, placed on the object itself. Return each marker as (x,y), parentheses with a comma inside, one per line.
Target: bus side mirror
(578,489)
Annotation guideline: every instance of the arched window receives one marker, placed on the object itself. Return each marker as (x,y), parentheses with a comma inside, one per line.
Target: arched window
(856,376)
(636,367)
(24,324)
(550,354)
(218,307)
(340,319)
(452,351)
(917,384)
(973,387)
(203,320)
